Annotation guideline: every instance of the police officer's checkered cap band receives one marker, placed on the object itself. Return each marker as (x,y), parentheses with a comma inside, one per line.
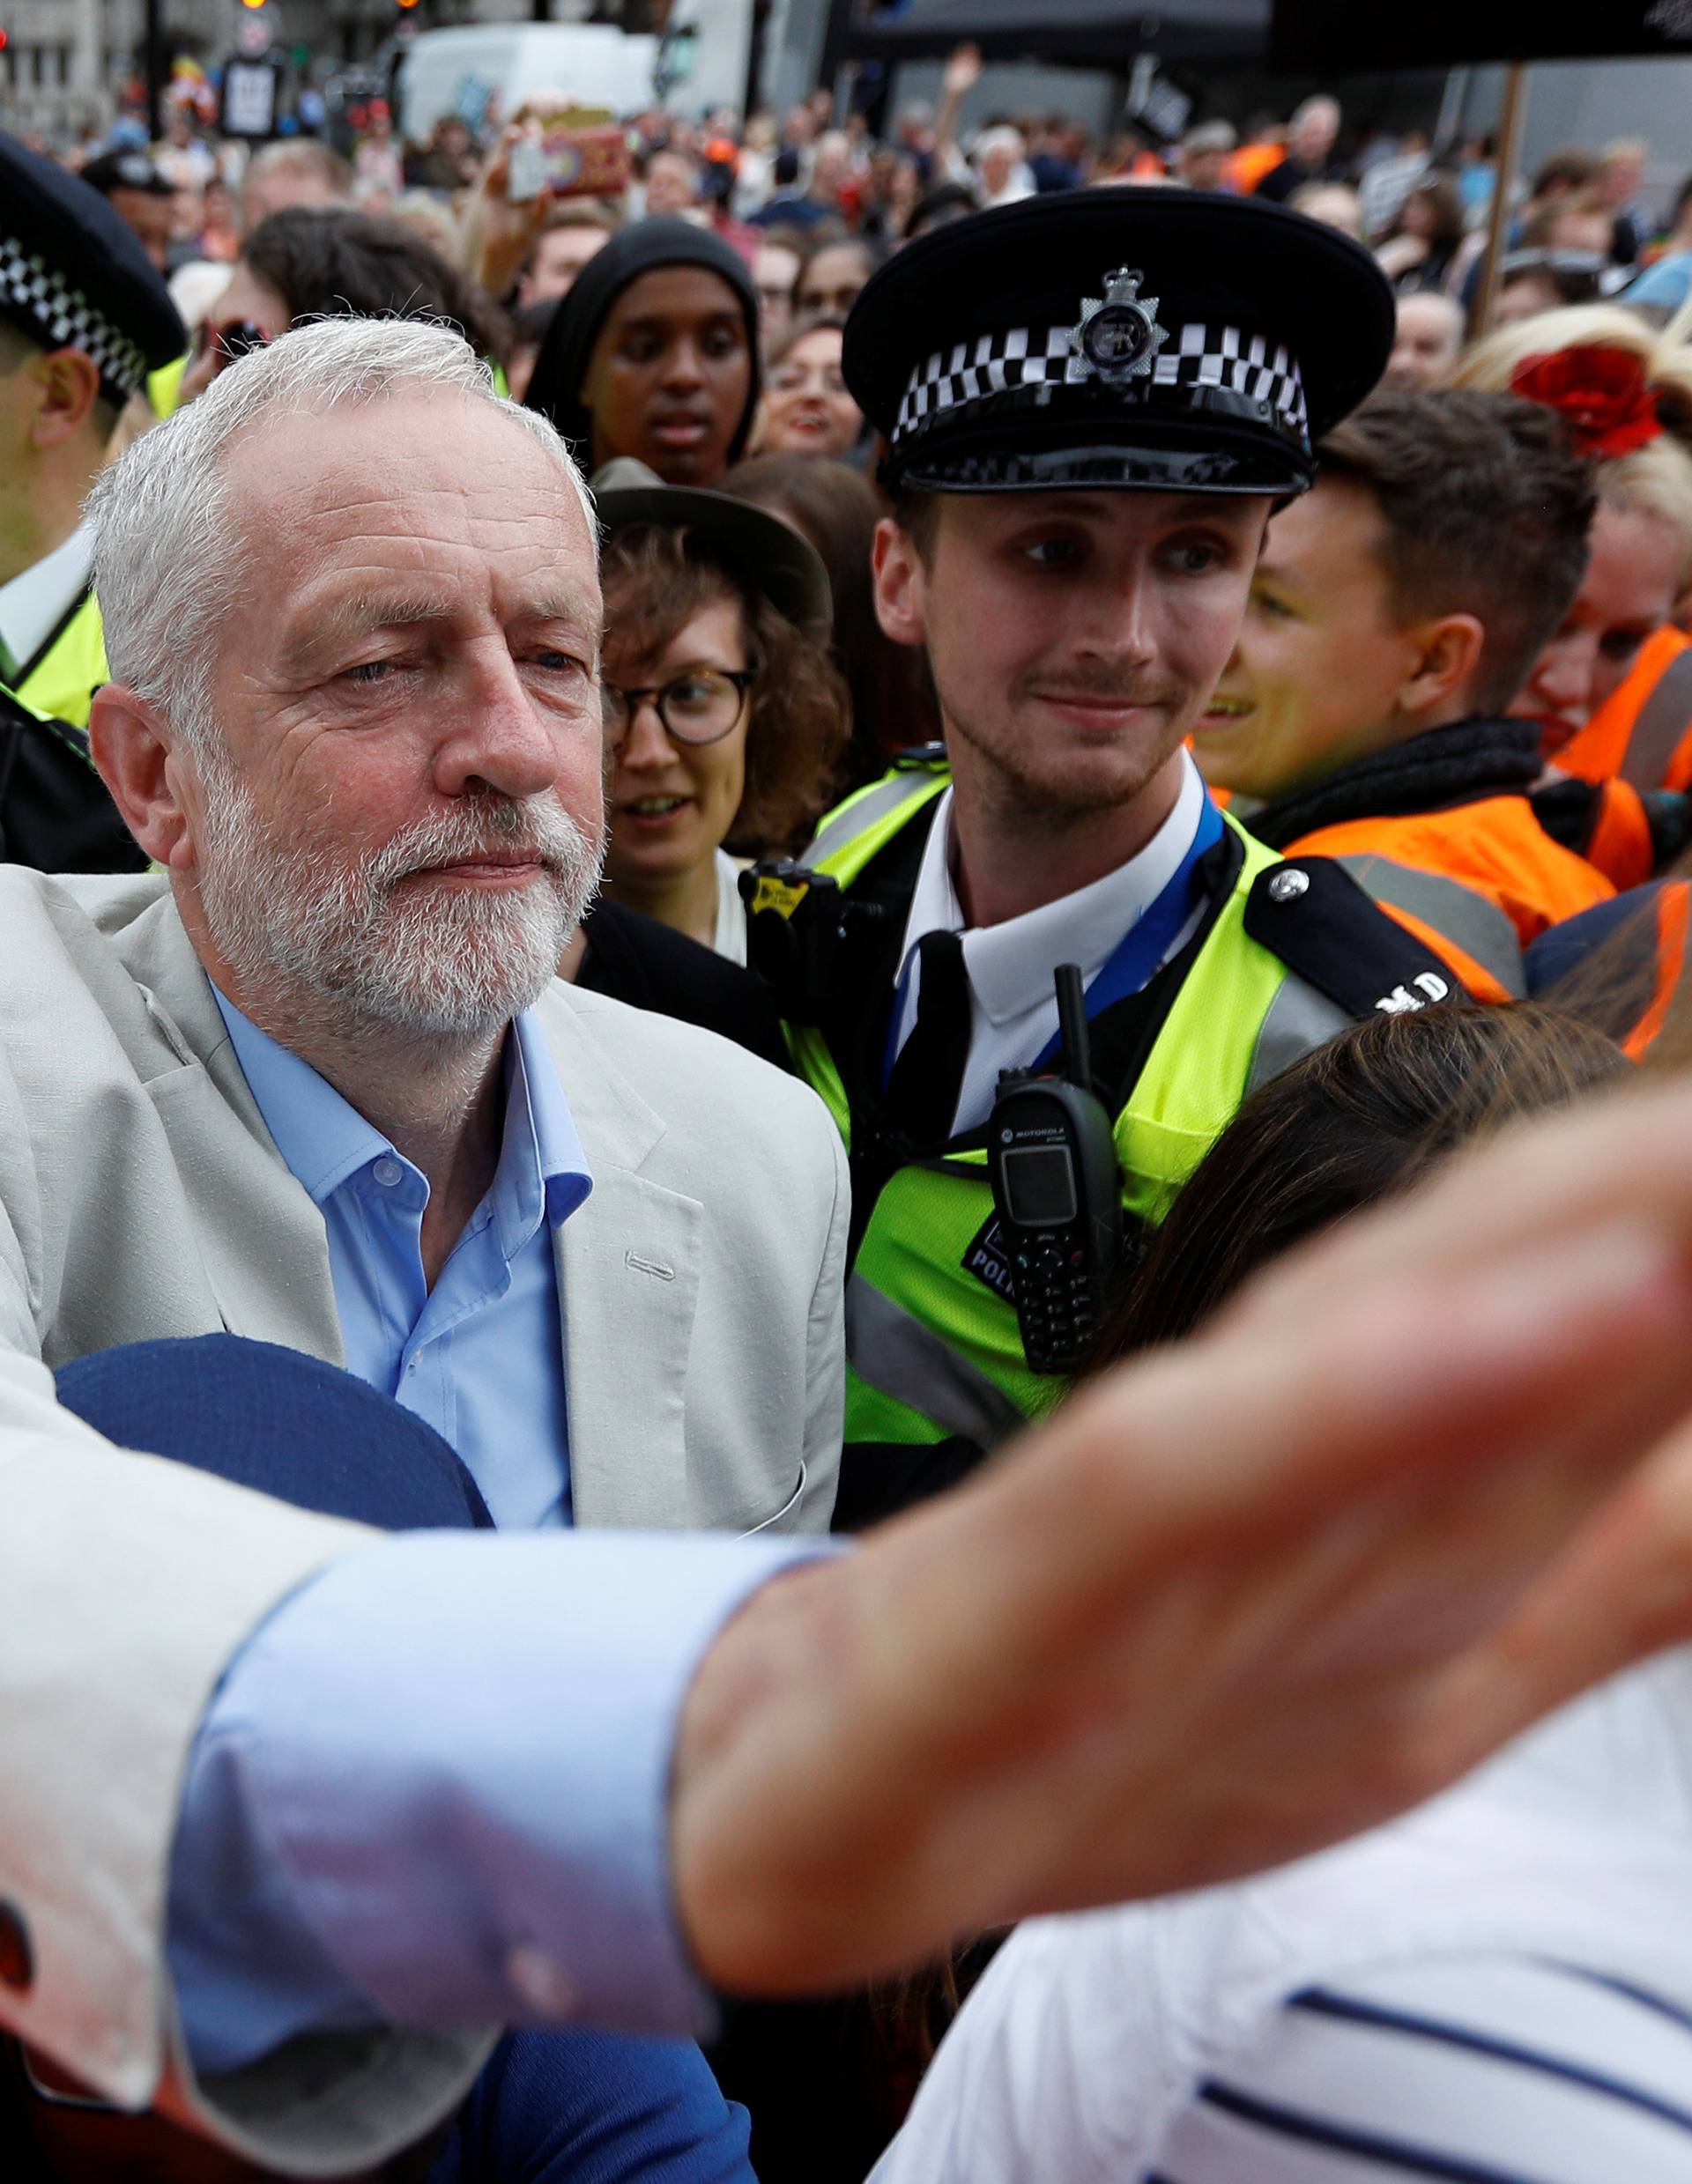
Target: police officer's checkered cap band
(1019,356)
(66,318)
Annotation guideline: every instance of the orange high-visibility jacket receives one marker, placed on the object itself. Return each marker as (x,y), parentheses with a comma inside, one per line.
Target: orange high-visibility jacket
(1619,967)
(1609,824)
(1642,734)
(1448,808)
(1494,846)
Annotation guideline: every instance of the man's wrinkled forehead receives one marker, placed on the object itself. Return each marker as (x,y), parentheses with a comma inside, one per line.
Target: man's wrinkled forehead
(414,509)
(311,470)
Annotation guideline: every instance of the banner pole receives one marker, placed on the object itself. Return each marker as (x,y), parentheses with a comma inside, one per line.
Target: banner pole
(1509,145)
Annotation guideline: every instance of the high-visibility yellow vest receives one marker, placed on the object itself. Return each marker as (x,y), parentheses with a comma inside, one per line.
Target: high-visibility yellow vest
(934,1349)
(69,668)
(165,386)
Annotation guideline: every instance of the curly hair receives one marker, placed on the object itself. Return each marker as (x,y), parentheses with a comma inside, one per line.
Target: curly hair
(656,579)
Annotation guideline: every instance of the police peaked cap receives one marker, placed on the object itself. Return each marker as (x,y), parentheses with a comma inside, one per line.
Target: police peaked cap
(1124,337)
(73,274)
(128,169)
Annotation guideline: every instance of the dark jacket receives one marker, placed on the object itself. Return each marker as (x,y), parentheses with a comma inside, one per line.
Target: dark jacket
(650,965)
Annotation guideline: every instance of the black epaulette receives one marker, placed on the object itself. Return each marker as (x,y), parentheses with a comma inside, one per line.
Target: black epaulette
(1314,917)
(920,759)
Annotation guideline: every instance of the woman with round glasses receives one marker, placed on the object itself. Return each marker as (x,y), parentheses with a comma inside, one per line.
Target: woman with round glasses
(724,719)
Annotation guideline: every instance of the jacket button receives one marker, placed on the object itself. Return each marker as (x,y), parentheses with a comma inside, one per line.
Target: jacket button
(16,1959)
(1288,884)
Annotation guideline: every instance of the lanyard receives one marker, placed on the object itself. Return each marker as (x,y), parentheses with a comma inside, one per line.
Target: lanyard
(1136,955)
(1141,950)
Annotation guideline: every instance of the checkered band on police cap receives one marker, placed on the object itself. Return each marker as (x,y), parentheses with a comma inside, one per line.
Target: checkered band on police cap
(31,289)
(1198,356)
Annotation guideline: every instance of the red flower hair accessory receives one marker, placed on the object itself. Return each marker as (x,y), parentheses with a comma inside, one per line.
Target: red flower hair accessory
(1602,393)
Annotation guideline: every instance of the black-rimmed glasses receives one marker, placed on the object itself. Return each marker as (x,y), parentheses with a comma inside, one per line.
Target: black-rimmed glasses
(700,706)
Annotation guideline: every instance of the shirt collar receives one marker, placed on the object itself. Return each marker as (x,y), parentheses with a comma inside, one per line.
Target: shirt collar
(1010,965)
(324,1140)
(37,600)
(537,1117)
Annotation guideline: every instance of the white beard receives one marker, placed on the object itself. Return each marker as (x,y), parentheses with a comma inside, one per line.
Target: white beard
(418,959)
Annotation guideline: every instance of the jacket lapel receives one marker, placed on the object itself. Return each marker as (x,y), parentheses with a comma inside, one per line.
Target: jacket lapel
(629,1265)
(629,1260)
(261,1239)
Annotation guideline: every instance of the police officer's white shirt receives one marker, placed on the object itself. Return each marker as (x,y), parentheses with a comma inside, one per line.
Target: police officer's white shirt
(36,601)
(1498,1986)
(1013,1004)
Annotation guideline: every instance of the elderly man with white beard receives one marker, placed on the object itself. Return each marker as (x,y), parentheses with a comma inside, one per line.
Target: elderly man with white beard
(354,718)
(312,1081)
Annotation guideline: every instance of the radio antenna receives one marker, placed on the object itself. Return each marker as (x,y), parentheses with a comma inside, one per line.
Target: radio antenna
(1073,1027)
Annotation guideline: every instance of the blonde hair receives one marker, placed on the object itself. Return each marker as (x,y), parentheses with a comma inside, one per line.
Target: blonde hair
(1655,480)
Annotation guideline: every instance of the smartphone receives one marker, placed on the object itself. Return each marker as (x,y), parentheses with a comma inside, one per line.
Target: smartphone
(570,162)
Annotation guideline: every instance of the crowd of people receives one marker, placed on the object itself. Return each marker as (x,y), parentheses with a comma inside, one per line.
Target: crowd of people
(690,873)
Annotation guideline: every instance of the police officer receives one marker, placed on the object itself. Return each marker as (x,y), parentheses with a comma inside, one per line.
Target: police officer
(83,317)
(1091,403)
(142,194)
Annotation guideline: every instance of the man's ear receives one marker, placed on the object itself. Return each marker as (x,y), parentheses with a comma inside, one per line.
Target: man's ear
(142,762)
(900,583)
(1446,656)
(69,384)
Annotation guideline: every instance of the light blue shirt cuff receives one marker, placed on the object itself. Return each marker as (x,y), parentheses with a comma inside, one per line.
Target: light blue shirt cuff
(433,1789)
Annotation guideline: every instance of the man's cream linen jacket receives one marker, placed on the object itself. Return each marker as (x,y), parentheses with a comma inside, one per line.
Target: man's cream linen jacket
(142,1197)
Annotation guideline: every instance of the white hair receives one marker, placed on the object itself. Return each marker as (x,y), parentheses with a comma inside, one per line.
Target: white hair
(170,554)
(1003,137)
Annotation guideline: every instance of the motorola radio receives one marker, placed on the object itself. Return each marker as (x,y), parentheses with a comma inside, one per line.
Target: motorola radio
(1052,1157)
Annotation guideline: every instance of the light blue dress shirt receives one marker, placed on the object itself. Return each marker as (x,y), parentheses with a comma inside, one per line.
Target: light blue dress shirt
(480,1357)
(433,1785)
(433,1789)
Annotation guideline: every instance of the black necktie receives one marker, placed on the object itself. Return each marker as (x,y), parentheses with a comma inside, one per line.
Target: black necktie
(923,1089)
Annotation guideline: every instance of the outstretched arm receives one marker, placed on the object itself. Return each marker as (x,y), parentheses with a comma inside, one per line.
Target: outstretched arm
(1243,1598)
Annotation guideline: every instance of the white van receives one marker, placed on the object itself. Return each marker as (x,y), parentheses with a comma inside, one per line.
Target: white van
(593,65)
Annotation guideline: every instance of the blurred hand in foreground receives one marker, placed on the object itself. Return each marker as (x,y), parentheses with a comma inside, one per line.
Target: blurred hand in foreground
(1245,1598)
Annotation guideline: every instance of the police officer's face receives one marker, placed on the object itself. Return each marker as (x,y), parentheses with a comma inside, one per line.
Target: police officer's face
(1074,636)
(1633,571)
(408,707)
(1315,677)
